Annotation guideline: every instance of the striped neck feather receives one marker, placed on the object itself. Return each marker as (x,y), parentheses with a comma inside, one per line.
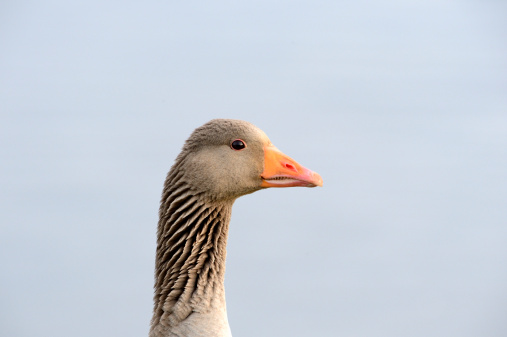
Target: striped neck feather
(191,252)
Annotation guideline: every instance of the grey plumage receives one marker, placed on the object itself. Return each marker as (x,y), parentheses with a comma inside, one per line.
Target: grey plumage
(194,216)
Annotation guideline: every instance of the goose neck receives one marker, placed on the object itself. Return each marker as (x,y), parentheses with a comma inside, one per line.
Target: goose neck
(190,258)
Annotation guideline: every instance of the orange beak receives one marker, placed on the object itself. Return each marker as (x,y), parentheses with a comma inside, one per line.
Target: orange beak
(283,171)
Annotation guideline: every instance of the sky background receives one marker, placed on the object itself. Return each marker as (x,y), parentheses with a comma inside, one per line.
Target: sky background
(401,106)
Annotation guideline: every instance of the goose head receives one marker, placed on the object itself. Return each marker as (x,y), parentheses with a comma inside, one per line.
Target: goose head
(225,159)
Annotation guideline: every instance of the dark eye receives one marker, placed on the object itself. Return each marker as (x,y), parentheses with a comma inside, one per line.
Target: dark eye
(238,144)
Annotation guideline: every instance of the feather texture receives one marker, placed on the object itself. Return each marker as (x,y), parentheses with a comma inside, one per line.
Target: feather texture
(194,215)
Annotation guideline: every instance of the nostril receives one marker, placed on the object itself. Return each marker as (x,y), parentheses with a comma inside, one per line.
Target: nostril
(290,167)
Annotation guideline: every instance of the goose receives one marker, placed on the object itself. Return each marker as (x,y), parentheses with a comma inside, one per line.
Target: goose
(221,161)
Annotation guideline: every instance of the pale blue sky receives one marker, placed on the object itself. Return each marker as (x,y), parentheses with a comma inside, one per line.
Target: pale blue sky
(401,106)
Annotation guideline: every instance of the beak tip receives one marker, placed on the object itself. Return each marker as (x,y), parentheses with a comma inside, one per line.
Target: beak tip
(318,180)
(314,179)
